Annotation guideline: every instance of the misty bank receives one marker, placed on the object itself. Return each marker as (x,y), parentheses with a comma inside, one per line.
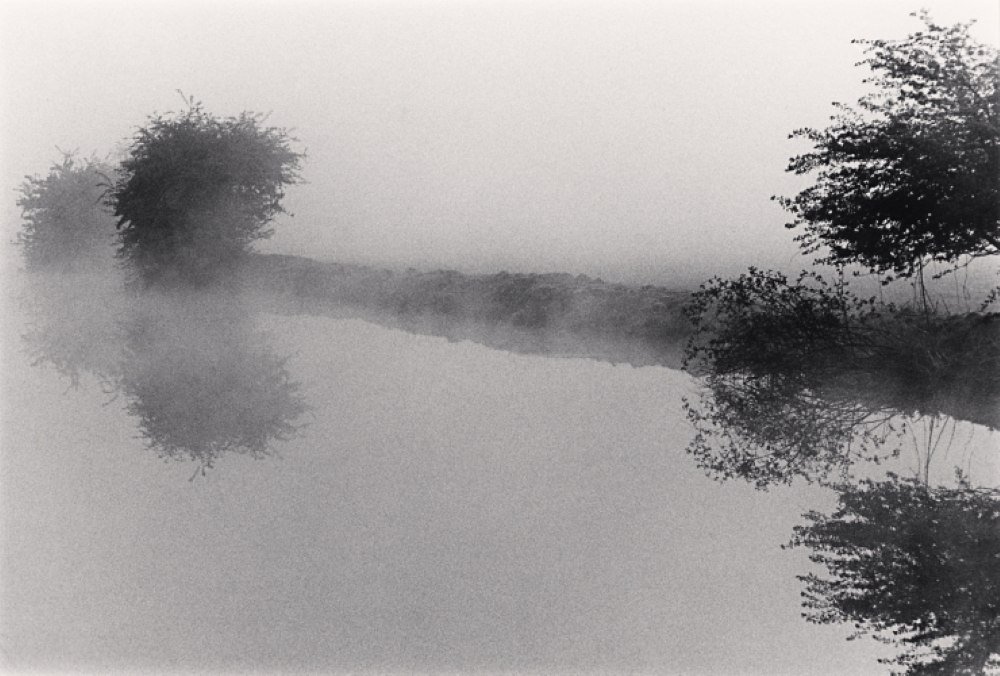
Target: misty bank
(557,315)
(950,365)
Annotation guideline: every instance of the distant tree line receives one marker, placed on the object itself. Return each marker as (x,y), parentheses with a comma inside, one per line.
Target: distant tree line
(538,313)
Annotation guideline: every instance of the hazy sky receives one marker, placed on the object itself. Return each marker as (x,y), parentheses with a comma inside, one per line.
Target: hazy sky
(632,140)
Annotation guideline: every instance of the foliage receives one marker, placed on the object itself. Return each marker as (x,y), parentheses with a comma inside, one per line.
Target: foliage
(66,225)
(802,378)
(195,191)
(547,313)
(780,400)
(914,566)
(202,384)
(911,175)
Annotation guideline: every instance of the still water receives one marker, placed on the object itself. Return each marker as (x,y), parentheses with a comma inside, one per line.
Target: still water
(444,507)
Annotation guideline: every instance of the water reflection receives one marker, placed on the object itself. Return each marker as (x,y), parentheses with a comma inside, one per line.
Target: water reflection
(74,325)
(914,565)
(201,383)
(821,395)
(769,428)
(198,378)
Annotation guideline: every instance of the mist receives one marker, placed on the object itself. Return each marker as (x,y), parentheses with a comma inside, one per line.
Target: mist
(632,141)
(441,419)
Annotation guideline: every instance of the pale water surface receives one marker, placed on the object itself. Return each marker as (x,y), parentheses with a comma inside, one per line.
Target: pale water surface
(448,507)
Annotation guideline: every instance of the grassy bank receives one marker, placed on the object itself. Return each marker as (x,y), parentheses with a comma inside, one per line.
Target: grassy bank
(551,314)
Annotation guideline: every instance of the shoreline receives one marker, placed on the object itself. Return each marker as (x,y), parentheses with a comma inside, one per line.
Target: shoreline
(555,314)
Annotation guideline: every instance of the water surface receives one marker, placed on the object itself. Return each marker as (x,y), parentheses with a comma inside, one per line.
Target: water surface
(447,507)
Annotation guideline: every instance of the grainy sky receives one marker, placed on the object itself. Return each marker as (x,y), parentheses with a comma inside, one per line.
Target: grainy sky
(632,140)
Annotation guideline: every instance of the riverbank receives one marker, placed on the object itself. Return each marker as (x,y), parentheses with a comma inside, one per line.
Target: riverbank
(557,315)
(947,367)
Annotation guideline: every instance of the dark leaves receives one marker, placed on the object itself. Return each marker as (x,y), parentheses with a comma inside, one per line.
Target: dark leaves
(912,174)
(197,190)
(914,565)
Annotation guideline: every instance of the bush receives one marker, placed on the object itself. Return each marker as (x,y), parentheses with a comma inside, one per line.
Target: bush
(66,225)
(785,367)
(802,378)
(196,191)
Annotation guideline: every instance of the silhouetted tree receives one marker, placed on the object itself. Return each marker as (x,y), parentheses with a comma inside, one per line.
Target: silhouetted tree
(195,191)
(914,566)
(66,225)
(912,174)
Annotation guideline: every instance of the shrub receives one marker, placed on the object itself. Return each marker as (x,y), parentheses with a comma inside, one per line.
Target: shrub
(66,225)
(195,191)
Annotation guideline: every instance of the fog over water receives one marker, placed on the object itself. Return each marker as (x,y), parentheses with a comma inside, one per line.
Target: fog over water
(193,484)
(447,507)
(444,507)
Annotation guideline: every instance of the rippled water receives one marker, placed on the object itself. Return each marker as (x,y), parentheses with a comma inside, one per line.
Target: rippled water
(447,507)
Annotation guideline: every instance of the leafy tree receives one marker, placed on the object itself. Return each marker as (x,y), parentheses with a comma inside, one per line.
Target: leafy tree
(911,175)
(195,191)
(66,225)
(914,566)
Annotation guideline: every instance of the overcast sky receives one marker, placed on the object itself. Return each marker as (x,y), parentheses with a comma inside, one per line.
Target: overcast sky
(631,140)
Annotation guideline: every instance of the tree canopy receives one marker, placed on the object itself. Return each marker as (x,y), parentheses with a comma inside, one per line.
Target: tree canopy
(196,190)
(911,174)
(916,566)
(66,225)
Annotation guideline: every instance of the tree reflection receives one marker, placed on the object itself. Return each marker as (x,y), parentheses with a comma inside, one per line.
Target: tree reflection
(202,384)
(199,379)
(74,325)
(782,392)
(916,566)
(806,380)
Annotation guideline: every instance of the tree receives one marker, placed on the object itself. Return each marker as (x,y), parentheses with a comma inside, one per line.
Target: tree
(195,191)
(914,566)
(912,174)
(66,225)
